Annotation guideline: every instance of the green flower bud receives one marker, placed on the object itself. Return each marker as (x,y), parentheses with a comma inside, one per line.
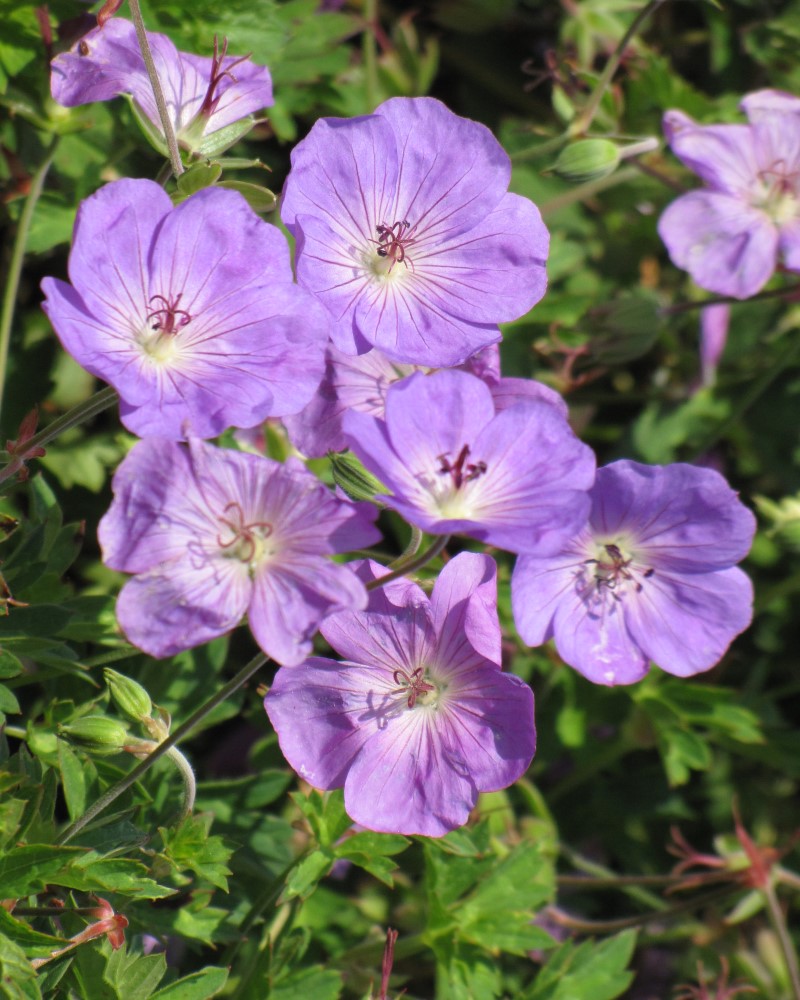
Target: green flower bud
(351,476)
(587,160)
(129,696)
(96,733)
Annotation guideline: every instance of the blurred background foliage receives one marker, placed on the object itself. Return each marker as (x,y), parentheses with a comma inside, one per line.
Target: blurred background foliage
(560,889)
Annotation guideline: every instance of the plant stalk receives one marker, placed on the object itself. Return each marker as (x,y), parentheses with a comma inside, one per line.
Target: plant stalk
(411,565)
(787,947)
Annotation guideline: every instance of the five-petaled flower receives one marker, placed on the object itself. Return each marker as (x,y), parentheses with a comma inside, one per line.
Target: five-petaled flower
(651,577)
(210,101)
(214,534)
(517,478)
(730,235)
(189,312)
(420,717)
(406,231)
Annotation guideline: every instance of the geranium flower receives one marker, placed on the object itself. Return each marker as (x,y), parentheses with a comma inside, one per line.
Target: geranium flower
(454,464)
(210,101)
(406,231)
(213,534)
(189,312)
(651,577)
(730,235)
(419,718)
(360,382)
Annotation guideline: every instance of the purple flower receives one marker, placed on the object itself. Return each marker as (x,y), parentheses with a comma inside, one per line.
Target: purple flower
(210,101)
(714,323)
(651,577)
(729,235)
(189,312)
(516,478)
(406,231)
(360,382)
(213,535)
(419,718)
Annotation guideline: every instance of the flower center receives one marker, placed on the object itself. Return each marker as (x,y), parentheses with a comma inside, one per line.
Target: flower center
(778,196)
(393,244)
(615,571)
(241,539)
(416,687)
(454,501)
(165,316)
(211,99)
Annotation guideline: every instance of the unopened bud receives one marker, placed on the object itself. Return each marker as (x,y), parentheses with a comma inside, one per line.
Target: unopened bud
(129,696)
(587,160)
(96,733)
(351,477)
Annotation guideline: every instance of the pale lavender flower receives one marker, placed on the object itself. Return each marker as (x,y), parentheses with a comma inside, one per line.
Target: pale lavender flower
(360,382)
(189,312)
(406,231)
(651,577)
(454,464)
(214,534)
(419,718)
(210,101)
(730,235)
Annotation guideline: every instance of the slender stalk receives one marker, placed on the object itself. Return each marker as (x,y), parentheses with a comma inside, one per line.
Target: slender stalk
(183,730)
(585,118)
(588,190)
(787,946)
(412,565)
(158,93)
(720,300)
(371,53)
(17,258)
(84,411)
(410,550)
(141,748)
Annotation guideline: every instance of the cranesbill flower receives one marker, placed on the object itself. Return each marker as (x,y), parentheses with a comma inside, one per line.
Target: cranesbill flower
(516,478)
(189,312)
(210,101)
(730,234)
(214,534)
(419,718)
(360,382)
(406,231)
(651,577)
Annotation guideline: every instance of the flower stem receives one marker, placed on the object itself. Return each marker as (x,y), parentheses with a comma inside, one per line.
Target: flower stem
(588,190)
(780,928)
(411,565)
(183,730)
(17,257)
(583,120)
(84,411)
(158,93)
(720,300)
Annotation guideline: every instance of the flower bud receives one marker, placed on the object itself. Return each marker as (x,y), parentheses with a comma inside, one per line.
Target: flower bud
(351,477)
(96,733)
(129,696)
(587,160)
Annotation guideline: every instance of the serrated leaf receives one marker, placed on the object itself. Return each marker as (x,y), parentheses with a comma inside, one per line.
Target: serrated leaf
(591,970)
(316,982)
(17,977)
(35,944)
(11,812)
(190,846)
(134,977)
(304,877)
(200,985)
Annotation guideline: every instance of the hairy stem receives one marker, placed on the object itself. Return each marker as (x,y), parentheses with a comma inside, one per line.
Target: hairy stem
(79,414)
(587,190)
(411,565)
(585,118)
(17,258)
(720,300)
(158,93)
(183,730)
(787,946)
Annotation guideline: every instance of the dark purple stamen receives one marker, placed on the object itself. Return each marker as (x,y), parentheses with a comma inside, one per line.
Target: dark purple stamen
(210,101)
(166,316)
(393,242)
(610,571)
(460,473)
(414,683)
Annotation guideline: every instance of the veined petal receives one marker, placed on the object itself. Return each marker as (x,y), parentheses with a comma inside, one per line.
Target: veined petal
(727,246)
(538,585)
(464,608)
(724,156)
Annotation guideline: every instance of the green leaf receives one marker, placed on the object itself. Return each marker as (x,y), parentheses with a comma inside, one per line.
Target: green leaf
(586,970)
(259,198)
(200,985)
(134,977)
(35,944)
(190,846)
(316,982)
(10,666)
(73,780)
(197,177)
(17,977)
(303,878)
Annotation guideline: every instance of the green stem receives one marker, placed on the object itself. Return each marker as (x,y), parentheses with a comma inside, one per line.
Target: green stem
(638,891)
(412,565)
(757,389)
(588,190)
(410,550)
(541,149)
(371,53)
(158,93)
(782,931)
(720,300)
(183,730)
(583,120)
(84,411)
(17,258)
